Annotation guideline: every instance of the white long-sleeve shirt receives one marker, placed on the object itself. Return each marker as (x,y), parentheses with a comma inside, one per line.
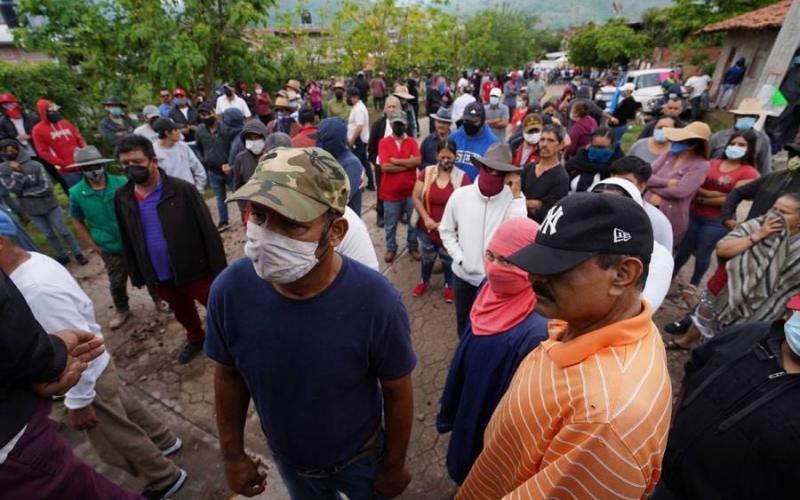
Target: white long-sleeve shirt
(469,222)
(58,303)
(181,162)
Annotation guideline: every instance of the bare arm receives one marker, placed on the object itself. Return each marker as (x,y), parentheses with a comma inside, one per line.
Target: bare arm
(412,162)
(392,168)
(416,199)
(83,233)
(398,401)
(231,402)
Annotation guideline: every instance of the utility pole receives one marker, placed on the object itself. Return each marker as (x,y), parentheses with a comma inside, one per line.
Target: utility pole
(782,50)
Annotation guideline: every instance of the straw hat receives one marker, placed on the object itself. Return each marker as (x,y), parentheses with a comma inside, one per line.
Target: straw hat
(401,91)
(294,85)
(695,130)
(750,106)
(281,103)
(338,84)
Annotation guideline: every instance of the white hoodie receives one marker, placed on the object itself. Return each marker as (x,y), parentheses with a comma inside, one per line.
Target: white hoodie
(469,222)
(662,263)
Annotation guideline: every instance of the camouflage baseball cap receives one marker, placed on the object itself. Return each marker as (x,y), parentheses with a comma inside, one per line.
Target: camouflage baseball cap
(298,183)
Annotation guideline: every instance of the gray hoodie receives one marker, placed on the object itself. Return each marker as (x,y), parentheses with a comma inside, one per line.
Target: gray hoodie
(31,184)
(245,162)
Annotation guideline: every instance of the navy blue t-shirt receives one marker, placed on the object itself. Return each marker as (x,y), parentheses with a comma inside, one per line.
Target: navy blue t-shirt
(312,366)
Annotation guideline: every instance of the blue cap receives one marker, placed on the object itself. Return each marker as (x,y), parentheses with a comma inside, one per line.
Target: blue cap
(7,226)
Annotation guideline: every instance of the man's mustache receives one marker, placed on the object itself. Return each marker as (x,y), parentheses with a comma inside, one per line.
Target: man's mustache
(543,290)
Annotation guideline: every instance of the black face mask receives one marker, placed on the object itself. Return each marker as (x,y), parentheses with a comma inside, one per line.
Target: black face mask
(472,129)
(8,156)
(209,122)
(339,95)
(53,116)
(138,174)
(228,92)
(398,129)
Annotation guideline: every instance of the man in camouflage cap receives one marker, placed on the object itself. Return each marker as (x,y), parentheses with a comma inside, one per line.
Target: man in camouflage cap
(320,342)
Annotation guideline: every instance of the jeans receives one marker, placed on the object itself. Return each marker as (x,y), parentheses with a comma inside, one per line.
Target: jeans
(72,178)
(619,131)
(391,216)
(430,251)
(218,183)
(465,294)
(10,202)
(356,480)
(701,238)
(50,224)
(697,107)
(725,94)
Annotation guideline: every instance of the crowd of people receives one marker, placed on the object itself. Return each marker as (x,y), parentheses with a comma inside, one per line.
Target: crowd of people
(556,247)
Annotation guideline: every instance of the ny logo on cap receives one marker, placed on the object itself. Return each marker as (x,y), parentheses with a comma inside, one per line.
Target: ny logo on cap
(621,236)
(551,220)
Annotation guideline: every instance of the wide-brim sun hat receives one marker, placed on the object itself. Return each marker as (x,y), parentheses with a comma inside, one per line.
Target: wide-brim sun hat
(401,91)
(88,156)
(497,157)
(442,115)
(750,106)
(695,130)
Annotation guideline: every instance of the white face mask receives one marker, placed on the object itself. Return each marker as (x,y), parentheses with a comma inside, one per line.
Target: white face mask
(278,258)
(532,138)
(255,146)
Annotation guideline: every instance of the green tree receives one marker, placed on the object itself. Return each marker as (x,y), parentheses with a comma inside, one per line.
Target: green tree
(614,42)
(504,38)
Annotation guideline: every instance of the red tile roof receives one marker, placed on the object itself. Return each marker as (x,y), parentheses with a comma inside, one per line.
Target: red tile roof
(766,17)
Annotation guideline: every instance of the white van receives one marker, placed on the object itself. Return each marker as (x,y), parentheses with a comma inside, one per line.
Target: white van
(648,86)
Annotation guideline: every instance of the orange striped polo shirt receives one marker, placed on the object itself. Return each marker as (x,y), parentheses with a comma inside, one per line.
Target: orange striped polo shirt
(587,418)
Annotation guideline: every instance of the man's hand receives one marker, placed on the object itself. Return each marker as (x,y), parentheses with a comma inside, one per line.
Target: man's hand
(514,181)
(14,164)
(730,224)
(244,477)
(391,481)
(227,169)
(84,346)
(770,225)
(82,419)
(68,378)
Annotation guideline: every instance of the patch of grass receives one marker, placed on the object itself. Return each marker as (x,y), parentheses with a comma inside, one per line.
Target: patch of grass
(630,136)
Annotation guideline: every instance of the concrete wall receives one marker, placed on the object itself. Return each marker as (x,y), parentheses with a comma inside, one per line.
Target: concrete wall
(752,45)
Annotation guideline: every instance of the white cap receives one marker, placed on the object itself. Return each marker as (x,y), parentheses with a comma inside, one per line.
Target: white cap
(630,87)
(496,92)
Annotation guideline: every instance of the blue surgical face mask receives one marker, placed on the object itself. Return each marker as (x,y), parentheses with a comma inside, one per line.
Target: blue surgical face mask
(494,100)
(792,330)
(745,123)
(735,152)
(678,147)
(115,111)
(660,136)
(599,155)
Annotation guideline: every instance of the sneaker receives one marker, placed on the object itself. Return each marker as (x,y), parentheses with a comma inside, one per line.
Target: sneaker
(167,491)
(81,259)
(447,295)
(678,327)
(189,351)
(173,448)
(64,260)
(223,226)
(414,253)
(419,290)
(119,319)
(370,187)
(389,256)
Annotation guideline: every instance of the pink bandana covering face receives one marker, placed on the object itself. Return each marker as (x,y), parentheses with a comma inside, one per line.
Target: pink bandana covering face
(507,298)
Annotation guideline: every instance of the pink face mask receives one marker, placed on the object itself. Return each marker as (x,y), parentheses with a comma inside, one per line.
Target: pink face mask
(489,184)
(506,280)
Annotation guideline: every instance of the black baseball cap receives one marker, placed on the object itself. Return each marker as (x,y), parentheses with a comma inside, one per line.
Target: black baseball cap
(474,113)
(583,225)
(164,124)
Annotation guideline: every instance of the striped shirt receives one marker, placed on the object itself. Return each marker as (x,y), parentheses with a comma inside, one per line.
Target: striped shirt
(587,418)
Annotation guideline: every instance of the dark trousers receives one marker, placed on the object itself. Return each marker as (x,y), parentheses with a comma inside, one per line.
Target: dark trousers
(117,270)
(465,294)
(360,150)
(181,300)
(378,201)
(42,465)
(697,108)
(379,102)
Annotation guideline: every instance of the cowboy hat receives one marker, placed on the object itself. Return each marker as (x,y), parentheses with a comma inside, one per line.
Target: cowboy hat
(293,84)
(281,102)
(750,106)
(401,91)
(497,157)
(695,130)
(442,115)
(338,84)
(89,155)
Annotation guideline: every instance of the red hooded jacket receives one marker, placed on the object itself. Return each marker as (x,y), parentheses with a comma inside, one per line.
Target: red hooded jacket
(56,142)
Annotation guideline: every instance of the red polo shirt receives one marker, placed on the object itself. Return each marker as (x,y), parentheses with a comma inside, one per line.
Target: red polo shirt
(397,186)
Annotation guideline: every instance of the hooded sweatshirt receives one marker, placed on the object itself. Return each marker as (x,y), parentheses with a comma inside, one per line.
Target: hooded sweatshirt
(31,183)
(584,173)
(245,162)
(56,142)
(333,139)
(468,224)
(232,123)
(735,73)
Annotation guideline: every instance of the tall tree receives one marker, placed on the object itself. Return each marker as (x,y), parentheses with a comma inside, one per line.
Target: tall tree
(614,42)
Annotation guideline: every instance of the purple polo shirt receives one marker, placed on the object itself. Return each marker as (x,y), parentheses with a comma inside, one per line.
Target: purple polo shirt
(153,234)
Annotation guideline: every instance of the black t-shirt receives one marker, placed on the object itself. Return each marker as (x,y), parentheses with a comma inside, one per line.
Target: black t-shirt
(549,187)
